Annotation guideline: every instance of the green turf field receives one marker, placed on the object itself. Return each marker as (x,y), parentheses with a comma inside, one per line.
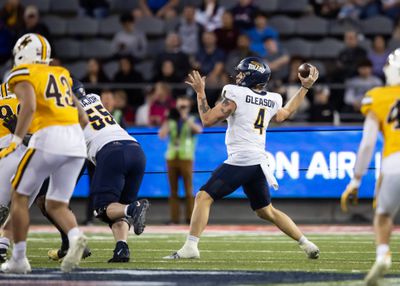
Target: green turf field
(339,253)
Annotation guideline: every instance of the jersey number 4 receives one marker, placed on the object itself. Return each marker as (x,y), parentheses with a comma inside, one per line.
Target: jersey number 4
(394,115)
(53,91)
(99,117)
(259,123)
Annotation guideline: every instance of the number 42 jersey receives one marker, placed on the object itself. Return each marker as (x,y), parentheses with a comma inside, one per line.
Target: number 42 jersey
(102,128)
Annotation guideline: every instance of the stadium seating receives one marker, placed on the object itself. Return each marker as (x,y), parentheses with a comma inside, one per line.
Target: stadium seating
(57,25)
(121,6)
(290,6)
(67,49)
(328,48)
(267,6)
(151,26)
(64,7)
(77,69)
(298,47)
(109,26)
(111,69)
(96,48)
(82,26)
(42,5)
(284,25)
(311,26)
(377,26)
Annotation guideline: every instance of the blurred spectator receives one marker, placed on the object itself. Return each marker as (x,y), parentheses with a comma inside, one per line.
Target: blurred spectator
(209,16)
(244,13)
(174,54)
(121,103)
(168,73)
(143,112)
(159,8)
(95,72)
(242,51)
(126,73)
(359,9)
(189,31)
(94,8)
(210,59)
(161,105)
(108,100)
(6,42)
(32,23)
(277,58)
(396,30)
(129,41)
(227,35)
(321,110)
(378,55)
(391,8)
(12,14)
(327,8)
(181,129)
(350,56)
(357,86)
(260,32)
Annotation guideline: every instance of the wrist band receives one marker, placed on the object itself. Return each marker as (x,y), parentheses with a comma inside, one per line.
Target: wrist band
(17,140)
(305,87)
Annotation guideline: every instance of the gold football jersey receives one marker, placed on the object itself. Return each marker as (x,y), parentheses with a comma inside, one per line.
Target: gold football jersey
(384,102)
(8,106)
(52,85)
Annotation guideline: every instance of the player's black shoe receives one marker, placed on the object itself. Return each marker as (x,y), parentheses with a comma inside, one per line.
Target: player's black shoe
(121,253)
(3,255)
(137,215)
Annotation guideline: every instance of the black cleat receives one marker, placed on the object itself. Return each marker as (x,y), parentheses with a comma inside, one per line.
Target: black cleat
(137,212)
(121,253)
(3,255)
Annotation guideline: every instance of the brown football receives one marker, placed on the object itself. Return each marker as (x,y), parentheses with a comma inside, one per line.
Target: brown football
(304,70)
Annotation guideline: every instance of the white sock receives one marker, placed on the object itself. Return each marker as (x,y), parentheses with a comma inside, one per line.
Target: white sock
(126,211)
(381,251)
(192,241)
(122,240)
(72,233)
(4,243)
(303,240)
(19,250)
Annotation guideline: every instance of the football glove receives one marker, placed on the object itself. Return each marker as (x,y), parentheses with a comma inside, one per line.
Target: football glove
(7,151)
(350,194)
(10,122)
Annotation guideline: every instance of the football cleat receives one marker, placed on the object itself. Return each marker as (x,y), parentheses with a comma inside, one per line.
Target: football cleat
(3,255)
(20,266)
(121,253)
(74,254)
(184,253)
(378,269)
(310,249)
(58,254)
(137,215)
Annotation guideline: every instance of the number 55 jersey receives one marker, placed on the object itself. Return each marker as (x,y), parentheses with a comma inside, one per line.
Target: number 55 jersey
(55,124)
(102,128)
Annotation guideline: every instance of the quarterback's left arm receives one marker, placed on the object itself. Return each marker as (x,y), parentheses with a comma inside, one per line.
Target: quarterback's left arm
(209,116)
(26,97)
(364,155)
(293,104)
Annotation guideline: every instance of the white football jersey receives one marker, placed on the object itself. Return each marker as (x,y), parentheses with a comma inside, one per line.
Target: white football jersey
(102,128)
(246,133)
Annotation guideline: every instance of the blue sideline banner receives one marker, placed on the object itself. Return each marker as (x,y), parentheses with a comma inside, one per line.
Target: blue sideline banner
(309,162)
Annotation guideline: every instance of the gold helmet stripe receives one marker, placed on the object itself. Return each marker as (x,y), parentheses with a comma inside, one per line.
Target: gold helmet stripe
(44,47)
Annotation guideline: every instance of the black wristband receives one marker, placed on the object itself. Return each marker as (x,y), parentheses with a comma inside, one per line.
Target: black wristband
(308,88)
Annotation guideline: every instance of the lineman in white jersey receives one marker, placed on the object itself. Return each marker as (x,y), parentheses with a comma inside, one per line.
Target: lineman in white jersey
(248,107)
(120,164)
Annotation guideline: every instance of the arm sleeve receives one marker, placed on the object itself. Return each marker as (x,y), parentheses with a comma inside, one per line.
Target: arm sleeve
(18,74)
(228,93)
(367,145)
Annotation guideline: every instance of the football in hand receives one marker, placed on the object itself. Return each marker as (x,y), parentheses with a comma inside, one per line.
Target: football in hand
(304,70)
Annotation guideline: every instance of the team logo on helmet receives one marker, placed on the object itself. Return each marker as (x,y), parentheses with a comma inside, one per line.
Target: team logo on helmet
(256,66)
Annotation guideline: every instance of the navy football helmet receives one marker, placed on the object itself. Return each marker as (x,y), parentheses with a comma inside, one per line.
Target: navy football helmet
(255,71)
(78,88)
